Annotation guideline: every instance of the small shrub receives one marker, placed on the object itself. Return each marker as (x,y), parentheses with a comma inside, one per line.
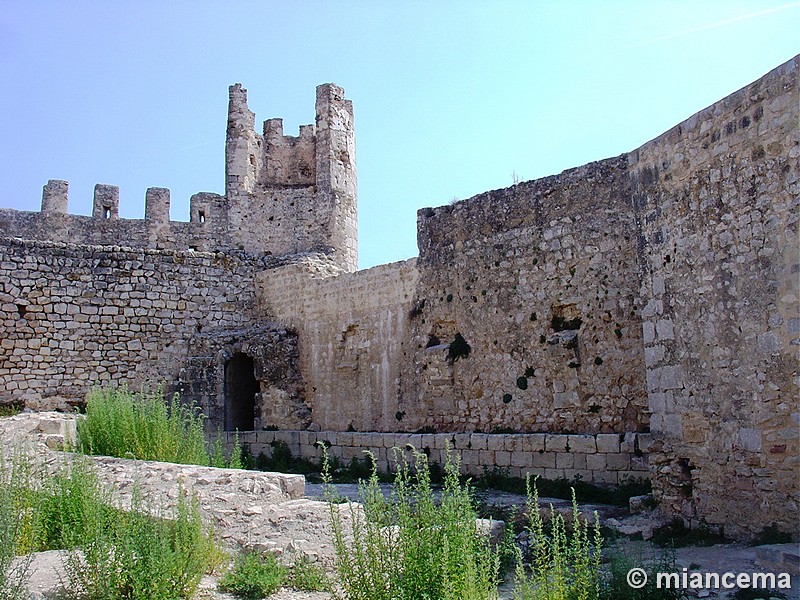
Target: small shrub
(144,554)
(308,577)
(9,409)
(410,546)
(564,564)
(615,586)
(73,505)
(559,323)
(677,535)
(254,576)
(772,535)
(585,492)
(458,348)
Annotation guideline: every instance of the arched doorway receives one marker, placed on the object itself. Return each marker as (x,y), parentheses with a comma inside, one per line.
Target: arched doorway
(241,387)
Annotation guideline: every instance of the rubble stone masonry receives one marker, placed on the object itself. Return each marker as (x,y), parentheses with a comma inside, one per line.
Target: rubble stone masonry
(640,312)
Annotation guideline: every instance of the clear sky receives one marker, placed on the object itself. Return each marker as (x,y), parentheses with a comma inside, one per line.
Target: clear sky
(451,98)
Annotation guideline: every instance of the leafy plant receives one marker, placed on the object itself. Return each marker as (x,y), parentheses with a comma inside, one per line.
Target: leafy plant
(458,348)
(585,492)
(254,576)
(676,535)
(563,564)
(308,577)
(13,573)
(616,586)
(410,546)
(142,426)
(146,553)
(9,409)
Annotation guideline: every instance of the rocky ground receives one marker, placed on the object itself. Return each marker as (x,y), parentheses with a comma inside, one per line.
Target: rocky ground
(281,514)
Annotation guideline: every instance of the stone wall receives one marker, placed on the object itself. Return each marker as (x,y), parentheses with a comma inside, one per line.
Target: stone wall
(717,200)
(352,330)
(605,459)
(656,291)
(77,316)
(206,231)
(540,280)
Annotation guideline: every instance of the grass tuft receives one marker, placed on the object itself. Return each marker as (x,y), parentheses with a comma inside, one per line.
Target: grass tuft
(141,425)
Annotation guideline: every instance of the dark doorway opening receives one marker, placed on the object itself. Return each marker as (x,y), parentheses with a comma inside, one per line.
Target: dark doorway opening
(241,388)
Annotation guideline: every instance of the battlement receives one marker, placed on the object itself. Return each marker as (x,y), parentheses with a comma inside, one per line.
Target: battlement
(291,193)
(284,194)
(207,228)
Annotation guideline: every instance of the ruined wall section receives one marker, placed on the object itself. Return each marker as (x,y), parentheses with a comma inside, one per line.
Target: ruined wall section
(294,194)
(352,333)
(280,399)
(716,198)
(77,316)
(540,280)
(605,459)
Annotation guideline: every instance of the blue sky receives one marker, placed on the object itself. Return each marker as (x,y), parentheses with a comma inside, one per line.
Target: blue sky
(451,98)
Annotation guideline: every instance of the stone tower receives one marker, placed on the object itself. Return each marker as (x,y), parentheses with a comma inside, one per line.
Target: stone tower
(290,194)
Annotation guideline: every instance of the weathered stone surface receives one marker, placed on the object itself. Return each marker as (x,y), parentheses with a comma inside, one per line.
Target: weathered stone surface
(652,292)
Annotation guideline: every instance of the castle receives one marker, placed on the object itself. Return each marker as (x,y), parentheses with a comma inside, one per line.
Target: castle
(633,317)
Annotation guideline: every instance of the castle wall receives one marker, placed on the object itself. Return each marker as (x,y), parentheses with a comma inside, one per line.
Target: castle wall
(540,280)
(604,459)
(657,291)
(352,329)
(77,316)
(206,231)
(717,200)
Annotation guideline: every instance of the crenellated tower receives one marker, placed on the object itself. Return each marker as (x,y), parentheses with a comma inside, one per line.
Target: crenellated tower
(290,194)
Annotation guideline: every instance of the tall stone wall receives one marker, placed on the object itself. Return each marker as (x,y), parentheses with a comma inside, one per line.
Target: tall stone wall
(717,199)
(540,280)
(352,330)
(656,291)
(77,316)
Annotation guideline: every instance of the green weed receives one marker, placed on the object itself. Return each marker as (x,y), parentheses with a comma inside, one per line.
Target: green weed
(410,546)
(616,586)
(677,535)
(13,574)
(141,425)
(254,576)
(308,577)
(564,564)
(146,553)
